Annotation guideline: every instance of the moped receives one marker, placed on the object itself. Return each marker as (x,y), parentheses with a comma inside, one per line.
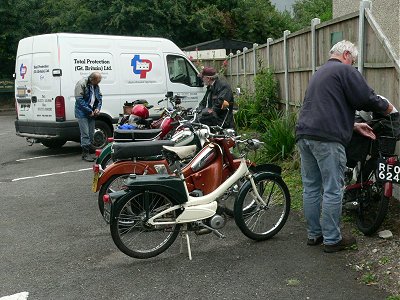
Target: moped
(143,158)
(148,215)
(162,128)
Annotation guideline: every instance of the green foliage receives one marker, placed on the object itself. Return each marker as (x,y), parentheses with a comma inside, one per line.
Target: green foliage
(255,108)
(279,136)
(184,22)
(306,10)
(368,278)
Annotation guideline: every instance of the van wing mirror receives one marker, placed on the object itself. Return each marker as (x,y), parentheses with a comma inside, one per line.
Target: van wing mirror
(199,82)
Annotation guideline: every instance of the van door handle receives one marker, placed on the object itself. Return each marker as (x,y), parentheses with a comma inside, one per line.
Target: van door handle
(34,99)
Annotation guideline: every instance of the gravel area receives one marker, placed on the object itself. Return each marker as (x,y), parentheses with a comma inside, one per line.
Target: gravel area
(377,260)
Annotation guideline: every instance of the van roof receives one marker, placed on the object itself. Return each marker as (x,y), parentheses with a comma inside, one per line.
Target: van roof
(166,43)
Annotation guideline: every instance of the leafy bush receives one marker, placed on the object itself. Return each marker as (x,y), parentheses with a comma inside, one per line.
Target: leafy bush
(279,136)
(255,108)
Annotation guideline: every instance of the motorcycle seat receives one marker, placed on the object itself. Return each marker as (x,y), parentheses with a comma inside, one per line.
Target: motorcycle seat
(131,150)
(130,135)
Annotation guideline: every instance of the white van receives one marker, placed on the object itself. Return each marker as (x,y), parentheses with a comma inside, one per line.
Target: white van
(48,67)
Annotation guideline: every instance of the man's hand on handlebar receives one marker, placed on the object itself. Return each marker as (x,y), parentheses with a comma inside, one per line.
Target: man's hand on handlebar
(365,130)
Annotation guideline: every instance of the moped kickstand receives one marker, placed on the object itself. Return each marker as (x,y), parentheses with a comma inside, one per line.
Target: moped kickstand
(185,235)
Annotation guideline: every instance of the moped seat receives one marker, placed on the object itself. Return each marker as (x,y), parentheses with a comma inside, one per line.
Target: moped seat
(130,135)
(182,151)
(130,150)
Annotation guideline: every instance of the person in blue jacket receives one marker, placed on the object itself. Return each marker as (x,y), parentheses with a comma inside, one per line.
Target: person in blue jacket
(323,130)
(87,107)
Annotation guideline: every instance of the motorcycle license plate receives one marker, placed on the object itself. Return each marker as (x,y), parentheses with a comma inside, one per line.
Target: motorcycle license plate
(388,172)
(95,180)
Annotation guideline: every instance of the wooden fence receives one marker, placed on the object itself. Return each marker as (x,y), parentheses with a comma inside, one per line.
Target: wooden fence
(295,57)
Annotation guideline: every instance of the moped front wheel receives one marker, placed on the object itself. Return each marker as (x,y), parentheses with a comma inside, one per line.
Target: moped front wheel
(131,232)
(260,221)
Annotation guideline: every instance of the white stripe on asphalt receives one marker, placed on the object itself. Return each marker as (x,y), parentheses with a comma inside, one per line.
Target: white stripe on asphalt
(50,174)
(44,156)
(19,296)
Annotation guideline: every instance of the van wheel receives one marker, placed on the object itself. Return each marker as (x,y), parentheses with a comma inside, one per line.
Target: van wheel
(53,144)
(101,133)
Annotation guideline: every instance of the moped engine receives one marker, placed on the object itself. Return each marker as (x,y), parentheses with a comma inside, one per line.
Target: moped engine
(217,221)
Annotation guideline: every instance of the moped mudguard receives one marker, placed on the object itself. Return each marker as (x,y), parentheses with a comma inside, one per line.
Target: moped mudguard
(270,168)
(106,152)
(245,185)
(171,186)
(124,167)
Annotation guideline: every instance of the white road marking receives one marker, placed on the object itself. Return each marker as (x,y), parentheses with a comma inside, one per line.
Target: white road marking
(4,133)
(44,156)
(19,296)
(50,174)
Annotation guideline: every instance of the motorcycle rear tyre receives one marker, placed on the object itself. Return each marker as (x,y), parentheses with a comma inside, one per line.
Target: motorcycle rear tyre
(371,213)
(122,224)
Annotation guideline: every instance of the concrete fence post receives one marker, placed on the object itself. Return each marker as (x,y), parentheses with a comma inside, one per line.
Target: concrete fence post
(237,75)
(361,34)
(269,41)
(314,23)
(255,45)
(286,68)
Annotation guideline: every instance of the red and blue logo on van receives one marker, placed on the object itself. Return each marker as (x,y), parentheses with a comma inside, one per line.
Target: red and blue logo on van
(141,66)
(22,70)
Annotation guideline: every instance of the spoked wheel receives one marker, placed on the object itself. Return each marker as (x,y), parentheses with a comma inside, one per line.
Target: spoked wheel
(131,232)
(228,202)
(114,184)
(373,207)
(256,220)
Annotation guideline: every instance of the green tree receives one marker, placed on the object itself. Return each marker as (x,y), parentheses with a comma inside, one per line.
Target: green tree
(257,20)
(306,10)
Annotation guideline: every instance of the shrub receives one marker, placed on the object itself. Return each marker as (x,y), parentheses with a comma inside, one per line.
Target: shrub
(279,136)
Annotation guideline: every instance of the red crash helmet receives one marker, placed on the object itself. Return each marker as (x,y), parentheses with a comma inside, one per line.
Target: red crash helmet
(141,111)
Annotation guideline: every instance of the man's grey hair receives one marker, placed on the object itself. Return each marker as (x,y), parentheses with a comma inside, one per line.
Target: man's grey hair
(95,75)
(342,46)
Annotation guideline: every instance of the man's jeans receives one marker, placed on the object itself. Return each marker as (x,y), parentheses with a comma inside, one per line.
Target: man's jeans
(322,170)
(86,127)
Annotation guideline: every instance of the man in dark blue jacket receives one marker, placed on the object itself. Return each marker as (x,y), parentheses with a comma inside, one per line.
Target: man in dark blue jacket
(87,106)
(324,128)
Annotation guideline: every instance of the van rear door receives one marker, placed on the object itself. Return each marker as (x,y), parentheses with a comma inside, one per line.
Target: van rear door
(36,87)
(23,79)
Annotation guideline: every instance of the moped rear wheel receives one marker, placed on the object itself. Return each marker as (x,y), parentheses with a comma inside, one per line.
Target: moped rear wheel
(129,228)
(261,222)
(114,184)
(373,208)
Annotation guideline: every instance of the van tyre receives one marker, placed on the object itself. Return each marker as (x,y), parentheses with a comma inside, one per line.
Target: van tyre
(53,144)
(101,133)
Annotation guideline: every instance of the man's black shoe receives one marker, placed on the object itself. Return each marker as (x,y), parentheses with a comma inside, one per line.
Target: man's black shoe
(315,241)
(92,149)
(343,244)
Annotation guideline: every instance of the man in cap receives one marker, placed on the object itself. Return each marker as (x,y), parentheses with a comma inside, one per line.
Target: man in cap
(217,104)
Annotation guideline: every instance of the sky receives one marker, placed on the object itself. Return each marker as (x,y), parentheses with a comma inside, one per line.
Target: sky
(282,4)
